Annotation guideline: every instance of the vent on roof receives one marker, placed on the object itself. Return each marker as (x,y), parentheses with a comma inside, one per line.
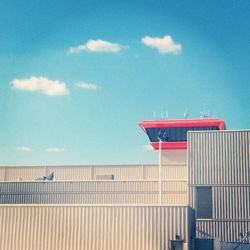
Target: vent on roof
(105,177)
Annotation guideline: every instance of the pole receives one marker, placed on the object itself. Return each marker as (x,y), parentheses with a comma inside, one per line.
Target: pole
(160,163)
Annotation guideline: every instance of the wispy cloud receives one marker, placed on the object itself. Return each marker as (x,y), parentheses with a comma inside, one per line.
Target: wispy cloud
(87,86)
(164,45)
(97,46)
(24,149)
(147,147)
(41,84)
(56,150)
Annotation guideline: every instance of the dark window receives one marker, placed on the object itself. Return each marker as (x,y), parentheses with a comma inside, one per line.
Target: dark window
(173,134)
(204,202)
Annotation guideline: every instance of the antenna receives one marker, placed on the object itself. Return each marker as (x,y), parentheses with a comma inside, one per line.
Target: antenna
(204,114)
(186,114)
(166,116)
(153,114)
(161,115)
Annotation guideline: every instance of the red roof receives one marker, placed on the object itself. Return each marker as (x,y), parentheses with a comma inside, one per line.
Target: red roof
(183,123)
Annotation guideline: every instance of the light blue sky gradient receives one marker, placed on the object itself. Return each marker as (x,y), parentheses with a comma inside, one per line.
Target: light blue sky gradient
(101,126)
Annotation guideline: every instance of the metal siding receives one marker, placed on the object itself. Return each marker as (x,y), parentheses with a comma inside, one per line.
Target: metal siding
(219,157)
(71,172)
(129,172)
(174,172)
(91,227)
(91,192)
(230,202)
(2,174)
(225,230)
(170,170)
(151,172)
(221,160)
(23,173)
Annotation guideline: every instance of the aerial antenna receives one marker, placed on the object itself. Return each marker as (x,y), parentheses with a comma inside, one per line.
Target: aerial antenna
(166,114)
(205,114)
(153,114)
(186,114)
(161,115)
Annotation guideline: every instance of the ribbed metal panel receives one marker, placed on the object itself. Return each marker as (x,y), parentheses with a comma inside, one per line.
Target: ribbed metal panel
(219,157)
(129,172)
(225,230)
(71,172)
(93,192)
(231,202)
(221,160)
(91,227)
(23,173)
(174,172)
(151,172)
(120,172)
(2,173)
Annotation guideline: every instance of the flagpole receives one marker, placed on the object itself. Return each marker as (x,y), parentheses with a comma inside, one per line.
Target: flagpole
(160,167)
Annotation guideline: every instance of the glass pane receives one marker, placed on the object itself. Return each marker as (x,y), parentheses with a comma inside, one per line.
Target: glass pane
(173,134)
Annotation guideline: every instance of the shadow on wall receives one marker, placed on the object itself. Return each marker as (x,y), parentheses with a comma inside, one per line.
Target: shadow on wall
(234,246)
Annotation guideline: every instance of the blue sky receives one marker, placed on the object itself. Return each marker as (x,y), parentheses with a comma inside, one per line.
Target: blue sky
(76,77)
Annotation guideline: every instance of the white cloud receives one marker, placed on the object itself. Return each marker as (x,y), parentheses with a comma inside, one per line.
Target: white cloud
(87,85)
(24,149)
(56,150)
(148,147)
(164,45)
(97,46)
(41,84)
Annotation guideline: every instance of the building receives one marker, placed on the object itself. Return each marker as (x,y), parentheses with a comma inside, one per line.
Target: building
(159,206)
(219,169)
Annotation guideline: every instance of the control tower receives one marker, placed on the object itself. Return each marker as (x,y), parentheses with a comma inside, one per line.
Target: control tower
(170,136)
(173,133)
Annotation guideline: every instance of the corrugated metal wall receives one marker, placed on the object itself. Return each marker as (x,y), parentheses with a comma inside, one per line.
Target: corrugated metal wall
(221,160)
(170,170)
(226,230)
(94,192)
(219,157)
(91,227)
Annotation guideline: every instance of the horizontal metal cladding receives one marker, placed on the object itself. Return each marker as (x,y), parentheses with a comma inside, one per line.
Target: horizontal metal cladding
(225,230)
(228,202)
(91,192)
(219,157)
(120,172)
(92,227)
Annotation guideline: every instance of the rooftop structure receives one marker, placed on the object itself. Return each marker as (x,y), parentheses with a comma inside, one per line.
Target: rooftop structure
(173,133)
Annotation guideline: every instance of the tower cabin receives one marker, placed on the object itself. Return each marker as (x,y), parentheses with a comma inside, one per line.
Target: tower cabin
(173,133)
